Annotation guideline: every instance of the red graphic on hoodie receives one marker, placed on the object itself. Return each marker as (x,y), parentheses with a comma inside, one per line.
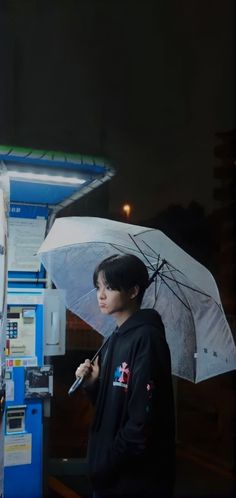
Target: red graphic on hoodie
(122,374)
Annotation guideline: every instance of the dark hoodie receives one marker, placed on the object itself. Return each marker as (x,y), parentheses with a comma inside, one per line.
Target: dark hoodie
(131,446)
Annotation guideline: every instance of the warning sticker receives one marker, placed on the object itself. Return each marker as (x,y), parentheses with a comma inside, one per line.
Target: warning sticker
(17,449)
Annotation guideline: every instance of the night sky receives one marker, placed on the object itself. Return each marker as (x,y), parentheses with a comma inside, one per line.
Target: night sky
(146,84)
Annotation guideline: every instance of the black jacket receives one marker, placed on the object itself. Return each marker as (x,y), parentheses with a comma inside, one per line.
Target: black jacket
(131,446)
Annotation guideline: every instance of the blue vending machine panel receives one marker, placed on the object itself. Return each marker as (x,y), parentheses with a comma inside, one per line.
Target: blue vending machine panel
(23,451)
(23,448)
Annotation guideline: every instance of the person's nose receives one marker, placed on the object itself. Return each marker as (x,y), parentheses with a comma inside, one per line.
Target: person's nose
(102,293)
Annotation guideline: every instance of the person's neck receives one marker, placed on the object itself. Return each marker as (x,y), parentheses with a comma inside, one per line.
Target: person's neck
(122,316)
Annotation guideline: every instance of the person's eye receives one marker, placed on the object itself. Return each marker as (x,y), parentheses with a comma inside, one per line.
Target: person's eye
(108,287)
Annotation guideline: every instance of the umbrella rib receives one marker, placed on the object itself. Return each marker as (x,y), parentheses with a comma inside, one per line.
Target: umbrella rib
(186,285)
(120,248)
(175,269)
(177,282)
(191,314)
(181,283)
(176,295)
(145,231)
(151,248)
(84,295)
(140,250)
(199,291)
(193,289)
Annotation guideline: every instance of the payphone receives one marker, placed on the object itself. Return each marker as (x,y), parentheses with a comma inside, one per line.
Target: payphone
(29,382)
(20,331)
(41,184)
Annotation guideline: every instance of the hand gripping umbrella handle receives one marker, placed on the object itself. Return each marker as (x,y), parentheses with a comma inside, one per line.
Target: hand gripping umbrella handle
(79,381)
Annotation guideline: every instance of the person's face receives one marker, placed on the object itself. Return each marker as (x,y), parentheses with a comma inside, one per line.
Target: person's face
(112,301)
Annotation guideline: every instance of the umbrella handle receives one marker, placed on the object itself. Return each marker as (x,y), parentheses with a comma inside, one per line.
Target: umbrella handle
(78,382)
(75,385)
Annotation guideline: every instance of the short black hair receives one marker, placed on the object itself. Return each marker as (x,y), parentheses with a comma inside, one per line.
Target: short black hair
(123,272)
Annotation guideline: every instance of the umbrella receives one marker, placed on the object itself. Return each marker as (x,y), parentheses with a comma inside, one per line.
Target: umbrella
(182,290)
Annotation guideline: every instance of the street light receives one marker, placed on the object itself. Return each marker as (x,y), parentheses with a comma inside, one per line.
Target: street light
(127,210)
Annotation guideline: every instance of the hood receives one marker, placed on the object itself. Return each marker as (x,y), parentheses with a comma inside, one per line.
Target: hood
(141,317)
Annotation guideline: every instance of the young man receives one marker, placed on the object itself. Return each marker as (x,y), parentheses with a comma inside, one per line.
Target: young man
(131,446)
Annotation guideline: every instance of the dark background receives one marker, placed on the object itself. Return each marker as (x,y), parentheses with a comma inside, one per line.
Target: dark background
(150,85)
(147,84)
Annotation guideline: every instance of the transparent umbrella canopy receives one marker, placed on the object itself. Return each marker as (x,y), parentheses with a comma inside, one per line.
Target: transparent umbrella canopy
(182,290)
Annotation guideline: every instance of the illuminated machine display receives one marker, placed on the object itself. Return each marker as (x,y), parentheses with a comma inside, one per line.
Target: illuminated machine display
(41,184)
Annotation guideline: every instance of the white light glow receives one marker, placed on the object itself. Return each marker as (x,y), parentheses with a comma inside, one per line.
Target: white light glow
(44,178)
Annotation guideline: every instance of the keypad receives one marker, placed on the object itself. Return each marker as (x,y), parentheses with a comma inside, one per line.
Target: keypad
(12,330)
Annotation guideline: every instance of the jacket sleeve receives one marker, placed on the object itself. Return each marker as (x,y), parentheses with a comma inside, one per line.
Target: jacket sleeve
(92,391)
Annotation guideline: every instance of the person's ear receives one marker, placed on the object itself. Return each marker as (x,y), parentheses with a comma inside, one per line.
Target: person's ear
(134,292)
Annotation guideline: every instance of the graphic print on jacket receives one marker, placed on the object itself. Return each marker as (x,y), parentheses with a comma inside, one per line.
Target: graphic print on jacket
(122,375)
